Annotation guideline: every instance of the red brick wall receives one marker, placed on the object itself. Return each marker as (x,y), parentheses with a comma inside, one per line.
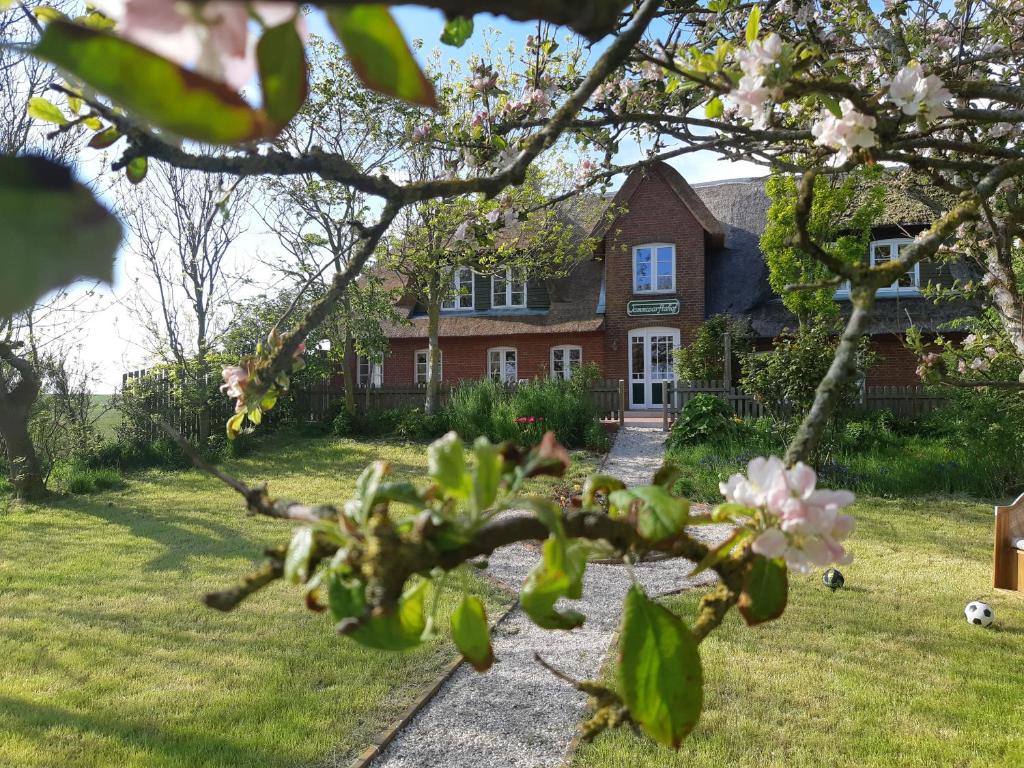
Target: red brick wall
(466,357)
(654,215)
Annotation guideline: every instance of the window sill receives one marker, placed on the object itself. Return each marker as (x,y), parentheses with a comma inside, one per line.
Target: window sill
(669,292)
(884,293)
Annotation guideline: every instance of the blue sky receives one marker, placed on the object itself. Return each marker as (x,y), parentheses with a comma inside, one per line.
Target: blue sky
(111,338)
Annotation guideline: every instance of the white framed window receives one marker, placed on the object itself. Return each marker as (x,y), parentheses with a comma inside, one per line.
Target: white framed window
(421,374)
(881,251)
(564,360)
(369,374)
(887,250)
(654,268)
(508,290)
(502,364)
(463,292)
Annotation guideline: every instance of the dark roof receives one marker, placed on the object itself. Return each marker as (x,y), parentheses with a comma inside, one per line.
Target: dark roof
(736,275)
(889,315)
(574,300)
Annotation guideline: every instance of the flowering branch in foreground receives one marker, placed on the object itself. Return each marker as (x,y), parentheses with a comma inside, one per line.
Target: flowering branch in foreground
(370,562)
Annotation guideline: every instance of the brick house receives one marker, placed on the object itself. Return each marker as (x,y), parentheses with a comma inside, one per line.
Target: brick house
(672,256)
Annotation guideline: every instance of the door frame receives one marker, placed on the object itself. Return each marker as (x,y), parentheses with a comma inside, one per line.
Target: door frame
(647,333)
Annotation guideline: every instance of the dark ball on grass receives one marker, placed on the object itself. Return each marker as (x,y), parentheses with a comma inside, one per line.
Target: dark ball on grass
(833,579)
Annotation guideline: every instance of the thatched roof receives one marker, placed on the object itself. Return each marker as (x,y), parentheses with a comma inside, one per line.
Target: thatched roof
(574,304)
(736,275)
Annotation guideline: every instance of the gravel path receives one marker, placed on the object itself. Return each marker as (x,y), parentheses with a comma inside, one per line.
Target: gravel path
(518,715)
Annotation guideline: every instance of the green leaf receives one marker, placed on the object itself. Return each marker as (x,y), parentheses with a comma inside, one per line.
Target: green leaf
(234,425)
(754,24)
(595,484)
(446,464)
(283,72)
(379,53)
(831,103)
(457,31)
(659,670)
(42,210)
(346,597)
(136,172)
(296,562)
(717,554)
(487,477)
(714,109)
(764,592)
(558,574)
(41,109)
(401,628)
(659,514)
(471,634)
(366,489)
(167,95)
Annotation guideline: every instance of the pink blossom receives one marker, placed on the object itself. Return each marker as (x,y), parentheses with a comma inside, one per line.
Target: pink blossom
(854,129)
(759,55)
(799,521)
(212,37)
(235,379)
(991,353)
(750,97)
(421,132)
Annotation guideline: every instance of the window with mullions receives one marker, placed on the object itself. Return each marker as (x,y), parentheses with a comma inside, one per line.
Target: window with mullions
(462,292)
(654,268)
(507,290)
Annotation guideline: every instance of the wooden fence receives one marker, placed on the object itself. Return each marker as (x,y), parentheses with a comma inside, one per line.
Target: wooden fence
(903,402)
(158,394)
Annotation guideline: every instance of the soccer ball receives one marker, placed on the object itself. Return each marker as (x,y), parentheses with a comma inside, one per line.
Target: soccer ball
(833,579)
(979,613)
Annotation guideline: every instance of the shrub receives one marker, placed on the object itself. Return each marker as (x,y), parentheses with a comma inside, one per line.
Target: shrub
(704,357)
(704,418)
(404,423)
(563,407)
(75,477)
(785,378)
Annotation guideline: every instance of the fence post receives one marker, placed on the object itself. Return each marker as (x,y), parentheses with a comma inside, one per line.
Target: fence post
(665,390)
(727,359)
(622,402)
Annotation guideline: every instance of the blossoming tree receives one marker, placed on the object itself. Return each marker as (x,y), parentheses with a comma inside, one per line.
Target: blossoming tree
(931,86)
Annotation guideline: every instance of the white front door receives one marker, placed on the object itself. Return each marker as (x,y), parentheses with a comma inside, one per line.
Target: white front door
(650,364)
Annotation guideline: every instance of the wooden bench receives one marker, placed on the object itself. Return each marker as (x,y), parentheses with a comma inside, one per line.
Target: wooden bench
(1008,551)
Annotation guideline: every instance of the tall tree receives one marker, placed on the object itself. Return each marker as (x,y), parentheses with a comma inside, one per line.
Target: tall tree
(23,82)
(183,226)
(317,220)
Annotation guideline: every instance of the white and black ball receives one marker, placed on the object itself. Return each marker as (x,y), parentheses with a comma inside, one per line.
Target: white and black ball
(833,579)
(979,613)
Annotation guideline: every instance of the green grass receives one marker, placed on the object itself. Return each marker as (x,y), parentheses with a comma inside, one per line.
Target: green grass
(109,659)
(883,673)
(109,418)
(904,466)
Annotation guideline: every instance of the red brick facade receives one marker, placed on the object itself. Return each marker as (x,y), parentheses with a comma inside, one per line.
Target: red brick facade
(465,358)
(654,214)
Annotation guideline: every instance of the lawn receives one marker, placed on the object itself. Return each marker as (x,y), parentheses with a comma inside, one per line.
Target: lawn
(111,660)
(883,673)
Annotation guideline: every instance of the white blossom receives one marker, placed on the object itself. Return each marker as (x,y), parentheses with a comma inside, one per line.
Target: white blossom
(844,134)
(911,90)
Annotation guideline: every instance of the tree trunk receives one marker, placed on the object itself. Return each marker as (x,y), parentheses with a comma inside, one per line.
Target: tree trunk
(26,473)
(1006,296)
(431,406)
(348,377)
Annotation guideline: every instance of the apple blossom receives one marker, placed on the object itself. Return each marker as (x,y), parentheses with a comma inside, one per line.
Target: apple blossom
(213,37)
(911,89)
(854,129)
(750,97)
(796,520)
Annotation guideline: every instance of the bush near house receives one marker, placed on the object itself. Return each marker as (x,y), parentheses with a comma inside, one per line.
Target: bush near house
(964,448)
(564,407)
